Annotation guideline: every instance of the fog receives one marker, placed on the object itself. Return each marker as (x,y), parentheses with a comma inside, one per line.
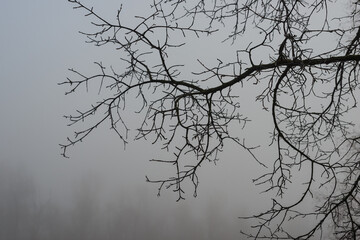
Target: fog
(100,192)
(90,211)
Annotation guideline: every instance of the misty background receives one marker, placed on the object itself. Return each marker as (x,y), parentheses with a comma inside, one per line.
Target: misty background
(100,192)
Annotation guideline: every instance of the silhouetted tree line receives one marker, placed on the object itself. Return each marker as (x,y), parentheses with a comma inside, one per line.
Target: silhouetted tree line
(26,215)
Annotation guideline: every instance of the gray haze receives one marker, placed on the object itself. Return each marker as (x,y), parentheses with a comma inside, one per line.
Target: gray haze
(100,192)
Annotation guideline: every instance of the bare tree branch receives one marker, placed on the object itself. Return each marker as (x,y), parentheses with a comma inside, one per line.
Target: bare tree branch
(303,59)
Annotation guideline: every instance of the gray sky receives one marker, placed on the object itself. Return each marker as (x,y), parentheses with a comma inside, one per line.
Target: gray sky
(39,42)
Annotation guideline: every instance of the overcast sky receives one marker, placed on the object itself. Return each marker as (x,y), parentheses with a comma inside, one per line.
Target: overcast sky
(39,42)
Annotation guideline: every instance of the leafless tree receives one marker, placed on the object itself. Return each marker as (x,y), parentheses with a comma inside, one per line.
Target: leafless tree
(345,215)
(309,88)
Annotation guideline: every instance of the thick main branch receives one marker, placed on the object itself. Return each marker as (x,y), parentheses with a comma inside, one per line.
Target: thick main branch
(283,63)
